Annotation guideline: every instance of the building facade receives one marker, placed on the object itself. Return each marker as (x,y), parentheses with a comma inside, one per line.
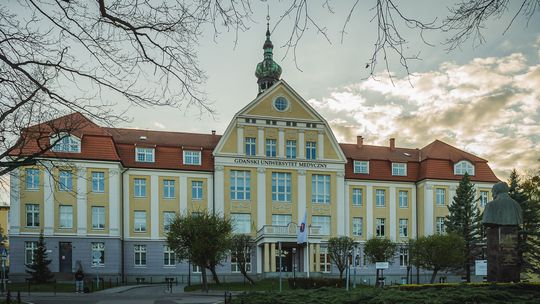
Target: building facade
(104,197)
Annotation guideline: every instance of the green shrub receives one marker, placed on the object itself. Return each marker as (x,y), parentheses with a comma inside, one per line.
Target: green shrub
(315,283)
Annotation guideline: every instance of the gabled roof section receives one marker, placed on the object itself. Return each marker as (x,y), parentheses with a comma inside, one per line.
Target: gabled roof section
(163,138)
(368,152)
(441,150)
(75,123)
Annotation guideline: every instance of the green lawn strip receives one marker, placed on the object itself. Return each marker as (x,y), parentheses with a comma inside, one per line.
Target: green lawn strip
(49,287)
(263,285)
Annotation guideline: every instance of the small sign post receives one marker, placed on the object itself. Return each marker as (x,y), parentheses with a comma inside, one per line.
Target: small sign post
(381,266)
(480,268)
(96,261)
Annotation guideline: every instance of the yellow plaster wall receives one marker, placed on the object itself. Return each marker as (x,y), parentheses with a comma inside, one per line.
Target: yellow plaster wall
(140,204)
(357,211)
(329,150)
(168,204)
(420,211)
(65,198)
(195,205)
(490,196)
(439,210)
(97,199)
(230,142)
(323,209)
(281,207)
(31,197)
(404,213)
(242,206)
(265,107)
(382,212)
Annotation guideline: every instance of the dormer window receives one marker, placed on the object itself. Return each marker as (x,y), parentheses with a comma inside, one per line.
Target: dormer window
(144,155)
(463,167)
(361,167)
(192,158)
(66,144)
(399,169)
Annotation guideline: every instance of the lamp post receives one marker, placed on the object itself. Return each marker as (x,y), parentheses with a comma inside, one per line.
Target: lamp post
(348,264)
(294,263)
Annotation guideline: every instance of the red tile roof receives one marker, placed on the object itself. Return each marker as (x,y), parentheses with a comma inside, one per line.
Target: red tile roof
(434,161)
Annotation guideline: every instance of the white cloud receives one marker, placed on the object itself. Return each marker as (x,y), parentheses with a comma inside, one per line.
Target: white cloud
(489,106)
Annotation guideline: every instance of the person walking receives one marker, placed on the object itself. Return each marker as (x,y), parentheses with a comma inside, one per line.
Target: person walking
(79,281)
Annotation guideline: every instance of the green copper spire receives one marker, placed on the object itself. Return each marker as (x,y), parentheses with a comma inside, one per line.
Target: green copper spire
(268,71)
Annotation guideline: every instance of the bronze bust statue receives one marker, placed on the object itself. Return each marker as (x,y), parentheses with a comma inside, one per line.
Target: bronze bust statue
(502,210)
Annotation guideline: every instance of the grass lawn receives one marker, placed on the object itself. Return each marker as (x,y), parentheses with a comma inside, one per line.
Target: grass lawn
(457,294)
(263,285)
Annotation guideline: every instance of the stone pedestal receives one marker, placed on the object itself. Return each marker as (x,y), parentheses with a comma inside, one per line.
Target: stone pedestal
(502,254)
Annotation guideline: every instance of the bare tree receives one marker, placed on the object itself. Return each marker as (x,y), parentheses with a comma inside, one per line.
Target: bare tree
(64,56)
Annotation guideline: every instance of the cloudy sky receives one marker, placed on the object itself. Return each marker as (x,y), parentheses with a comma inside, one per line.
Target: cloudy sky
(484,98)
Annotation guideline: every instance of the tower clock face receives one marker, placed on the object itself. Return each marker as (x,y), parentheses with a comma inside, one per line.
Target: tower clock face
(281,103)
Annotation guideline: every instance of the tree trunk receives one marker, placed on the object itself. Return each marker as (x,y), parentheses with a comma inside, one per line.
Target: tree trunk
(204,281)
(214,274)
(434,275)
(341,272)
(244,273)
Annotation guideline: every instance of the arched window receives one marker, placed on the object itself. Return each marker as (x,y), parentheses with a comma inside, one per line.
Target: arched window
(463,167)
(67,143)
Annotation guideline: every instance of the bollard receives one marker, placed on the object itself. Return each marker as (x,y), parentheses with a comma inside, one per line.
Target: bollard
(54,287)
(18,297)
(8,297)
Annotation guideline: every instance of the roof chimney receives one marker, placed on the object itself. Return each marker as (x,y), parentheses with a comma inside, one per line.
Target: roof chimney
(359,141)
(213,132)
(392,143)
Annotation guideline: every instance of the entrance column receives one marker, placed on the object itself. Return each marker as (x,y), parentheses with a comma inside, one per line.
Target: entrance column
(273,257)
(266,257)
(317,257)
(311,257)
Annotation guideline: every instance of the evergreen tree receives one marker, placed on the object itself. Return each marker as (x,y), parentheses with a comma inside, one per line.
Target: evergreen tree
(527,194)
(39,269)
(464,220)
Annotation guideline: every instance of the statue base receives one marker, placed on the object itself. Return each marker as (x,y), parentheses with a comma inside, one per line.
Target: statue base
(502,254)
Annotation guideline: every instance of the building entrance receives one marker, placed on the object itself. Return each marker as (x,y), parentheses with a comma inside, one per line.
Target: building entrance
(65,257)
(289,257)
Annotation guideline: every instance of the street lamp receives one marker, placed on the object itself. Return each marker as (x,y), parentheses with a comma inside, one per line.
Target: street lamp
(356,262)
(349,256)
(294,263)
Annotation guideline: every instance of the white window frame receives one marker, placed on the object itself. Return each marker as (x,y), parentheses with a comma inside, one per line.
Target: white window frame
(67,143)
(33,211)
(403,227)
(65,180)
(277,179)
(98,181)
(169,256)
(139,221)
(32,179)
(169,188)
(380,193)
(144,155)
(139,187)
(403,198)
(440,227)
(357,226)
(399,169)
(324,223)
(403,256)
(440,196)
(240,185)
(311,150)
(197,190)
(192,158)
(484,197)
(290,149)
(98,217)
(281,219)
(361,167)
(325,260)
(251,146)
(241,222)
(65,218)
(271,147)
(29,252)
(464,166)
(320,188)
(98,247)
(357,197)
(168,218)
(139,254)
(380,227)
(234,264)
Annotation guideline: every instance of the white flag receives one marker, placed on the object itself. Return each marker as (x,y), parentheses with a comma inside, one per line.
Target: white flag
(302,232)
